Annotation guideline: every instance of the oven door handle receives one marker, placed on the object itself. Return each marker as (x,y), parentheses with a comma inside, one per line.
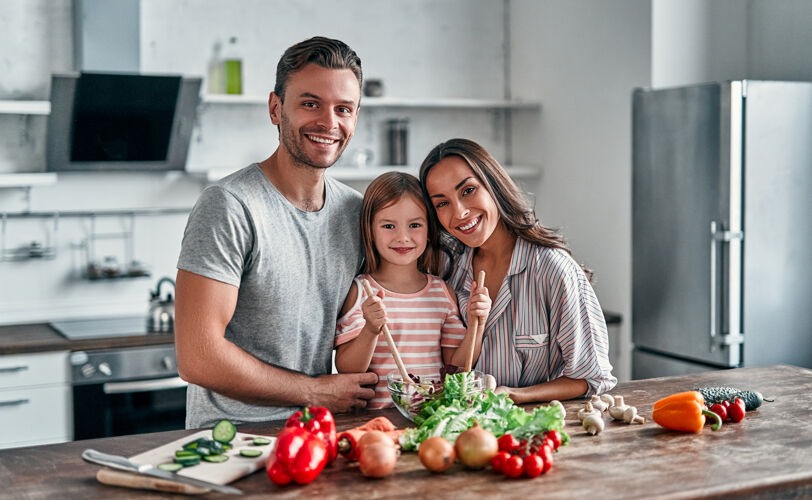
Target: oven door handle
(161,384)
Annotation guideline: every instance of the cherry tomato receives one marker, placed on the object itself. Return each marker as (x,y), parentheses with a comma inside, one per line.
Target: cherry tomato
(719,410)
(498,460)
(736,412)
(533,465)
(508,443)
(546,454)
(514,466)
(555,437)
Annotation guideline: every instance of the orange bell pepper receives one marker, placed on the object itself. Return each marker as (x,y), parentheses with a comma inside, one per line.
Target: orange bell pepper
(683,414)
(681,396)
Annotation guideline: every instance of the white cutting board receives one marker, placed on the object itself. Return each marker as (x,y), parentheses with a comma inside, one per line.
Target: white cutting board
(232,469)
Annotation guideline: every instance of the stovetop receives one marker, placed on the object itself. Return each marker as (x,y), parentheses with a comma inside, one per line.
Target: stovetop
(92,328)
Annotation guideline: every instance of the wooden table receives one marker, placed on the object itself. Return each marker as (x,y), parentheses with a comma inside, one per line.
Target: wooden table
(767,455)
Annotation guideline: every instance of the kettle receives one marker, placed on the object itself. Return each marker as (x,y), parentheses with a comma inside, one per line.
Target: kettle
(161,317)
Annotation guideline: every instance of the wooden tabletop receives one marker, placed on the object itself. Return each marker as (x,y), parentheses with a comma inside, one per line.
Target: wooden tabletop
(767,455)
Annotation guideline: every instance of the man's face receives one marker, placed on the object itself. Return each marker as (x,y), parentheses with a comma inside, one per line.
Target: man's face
(318,116)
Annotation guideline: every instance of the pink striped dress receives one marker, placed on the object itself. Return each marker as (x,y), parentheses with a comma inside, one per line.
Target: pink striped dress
(544,323)
(421,324)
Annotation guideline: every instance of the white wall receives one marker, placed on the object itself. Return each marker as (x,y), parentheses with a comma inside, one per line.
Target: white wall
(582,59)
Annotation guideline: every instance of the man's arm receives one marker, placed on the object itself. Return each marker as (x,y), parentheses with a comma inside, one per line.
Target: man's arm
(203,308)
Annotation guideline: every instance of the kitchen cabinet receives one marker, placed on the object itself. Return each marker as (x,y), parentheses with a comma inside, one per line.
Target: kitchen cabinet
(35,399)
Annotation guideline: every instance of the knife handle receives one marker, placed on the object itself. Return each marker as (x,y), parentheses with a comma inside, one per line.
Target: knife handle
(114,461)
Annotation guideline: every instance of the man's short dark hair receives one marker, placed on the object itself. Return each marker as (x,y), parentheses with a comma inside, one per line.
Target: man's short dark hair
(325,52)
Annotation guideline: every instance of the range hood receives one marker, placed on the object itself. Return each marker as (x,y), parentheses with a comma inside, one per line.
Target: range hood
(108,115)
(120,121)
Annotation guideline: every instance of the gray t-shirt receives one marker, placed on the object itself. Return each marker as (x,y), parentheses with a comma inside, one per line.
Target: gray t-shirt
(293,270)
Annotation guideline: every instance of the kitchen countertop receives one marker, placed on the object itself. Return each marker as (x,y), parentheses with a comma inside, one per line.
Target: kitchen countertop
(767,455)
(40,337)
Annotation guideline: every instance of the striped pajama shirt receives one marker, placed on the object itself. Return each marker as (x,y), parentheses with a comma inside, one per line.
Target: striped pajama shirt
(421,324)
(545,322)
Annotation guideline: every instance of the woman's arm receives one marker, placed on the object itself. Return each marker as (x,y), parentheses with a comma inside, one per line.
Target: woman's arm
(561,388)
(479,305)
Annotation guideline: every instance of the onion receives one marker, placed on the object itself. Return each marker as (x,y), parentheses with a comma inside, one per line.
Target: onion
(377,459)
(373,437)
(475,447)
(436,454)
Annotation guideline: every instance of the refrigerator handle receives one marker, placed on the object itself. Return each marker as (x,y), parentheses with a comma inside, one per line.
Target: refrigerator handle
(713,286)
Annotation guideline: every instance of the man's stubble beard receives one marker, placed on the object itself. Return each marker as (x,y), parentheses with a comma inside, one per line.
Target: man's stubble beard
(288,137)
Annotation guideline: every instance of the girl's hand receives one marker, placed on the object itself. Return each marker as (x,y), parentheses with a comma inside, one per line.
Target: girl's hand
(479,304)
(374,312)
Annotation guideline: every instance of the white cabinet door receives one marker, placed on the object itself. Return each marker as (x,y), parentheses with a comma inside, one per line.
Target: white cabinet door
(35,416)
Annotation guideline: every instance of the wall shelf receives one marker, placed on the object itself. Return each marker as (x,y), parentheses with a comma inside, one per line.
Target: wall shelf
(25,180)
(391,102)
(25,107)
(369,173)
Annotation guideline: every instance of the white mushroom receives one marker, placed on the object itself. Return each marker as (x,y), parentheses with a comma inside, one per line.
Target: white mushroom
(608,399)
(619,407)
(587,411)
(598,403)
(630,416)
(593,423)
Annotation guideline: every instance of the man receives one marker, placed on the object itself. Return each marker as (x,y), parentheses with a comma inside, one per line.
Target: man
(269,254)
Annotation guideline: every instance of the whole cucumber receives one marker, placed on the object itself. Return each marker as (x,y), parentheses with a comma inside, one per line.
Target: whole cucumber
(713,395)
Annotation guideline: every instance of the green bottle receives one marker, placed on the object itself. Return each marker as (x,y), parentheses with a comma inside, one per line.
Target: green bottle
(233,68)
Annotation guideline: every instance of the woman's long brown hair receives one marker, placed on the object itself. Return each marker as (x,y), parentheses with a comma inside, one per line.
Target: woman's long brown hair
(385,190)
(514,210)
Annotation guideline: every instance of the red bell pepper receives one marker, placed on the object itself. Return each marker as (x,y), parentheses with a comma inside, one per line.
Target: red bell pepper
(299,456)
(320,422)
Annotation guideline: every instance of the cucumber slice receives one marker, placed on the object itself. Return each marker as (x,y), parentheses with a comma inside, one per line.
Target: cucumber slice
(170,467)
(191,445)
(260,441)
(187,461)
(224,431)
(185,453)
(216,458)
(250,453)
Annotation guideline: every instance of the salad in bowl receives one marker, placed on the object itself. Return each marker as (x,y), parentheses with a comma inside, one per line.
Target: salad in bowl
(411,396)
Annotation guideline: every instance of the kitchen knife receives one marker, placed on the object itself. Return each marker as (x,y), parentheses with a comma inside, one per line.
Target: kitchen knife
(121,463)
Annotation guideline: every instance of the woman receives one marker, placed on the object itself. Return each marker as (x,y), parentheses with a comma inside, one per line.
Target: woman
(545,337)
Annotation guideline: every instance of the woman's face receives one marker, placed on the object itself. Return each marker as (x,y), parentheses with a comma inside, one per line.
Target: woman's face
(464,207)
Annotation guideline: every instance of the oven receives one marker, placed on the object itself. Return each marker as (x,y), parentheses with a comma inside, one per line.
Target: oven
(127,390)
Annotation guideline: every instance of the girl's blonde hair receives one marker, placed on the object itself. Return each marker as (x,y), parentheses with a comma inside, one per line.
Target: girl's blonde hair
(385,190)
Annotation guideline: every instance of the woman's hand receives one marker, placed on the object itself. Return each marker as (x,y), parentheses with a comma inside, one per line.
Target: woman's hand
(479,304)
(374,313)
(502,390)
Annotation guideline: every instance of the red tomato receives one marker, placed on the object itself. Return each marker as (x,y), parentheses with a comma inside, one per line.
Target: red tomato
(514,466)
(498,460)
(555,437)
(726,404)
(508,443)
(546,454)
(719,410)
(736,411)
(533,465)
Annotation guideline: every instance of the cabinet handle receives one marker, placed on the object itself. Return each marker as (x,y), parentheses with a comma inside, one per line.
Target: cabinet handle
(15,402)
(11,369)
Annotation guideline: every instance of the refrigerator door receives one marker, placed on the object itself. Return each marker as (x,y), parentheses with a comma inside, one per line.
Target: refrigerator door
(678,189)
(777,284)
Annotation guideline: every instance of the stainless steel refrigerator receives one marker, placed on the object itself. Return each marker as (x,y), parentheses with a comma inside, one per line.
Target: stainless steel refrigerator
(721,227)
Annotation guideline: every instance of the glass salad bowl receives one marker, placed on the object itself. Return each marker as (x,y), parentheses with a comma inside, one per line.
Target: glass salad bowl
(426,385)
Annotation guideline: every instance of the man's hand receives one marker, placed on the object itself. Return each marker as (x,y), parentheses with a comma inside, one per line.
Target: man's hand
(342,392)
(374,312)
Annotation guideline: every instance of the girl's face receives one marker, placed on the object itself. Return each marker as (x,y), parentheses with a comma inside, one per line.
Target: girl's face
(464,207)
(400,231)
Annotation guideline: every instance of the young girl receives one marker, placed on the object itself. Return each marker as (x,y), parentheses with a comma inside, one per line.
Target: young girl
(400,245)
